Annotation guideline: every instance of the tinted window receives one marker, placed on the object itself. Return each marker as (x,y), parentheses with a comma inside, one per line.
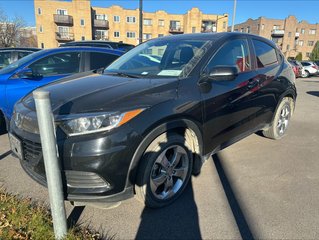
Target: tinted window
(61,63)
(23,54)
(99,60)
(265,54)
(5,58)
(234,53)
(305,64)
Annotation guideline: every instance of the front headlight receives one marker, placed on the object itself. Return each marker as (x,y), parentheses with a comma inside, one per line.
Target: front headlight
(79,124)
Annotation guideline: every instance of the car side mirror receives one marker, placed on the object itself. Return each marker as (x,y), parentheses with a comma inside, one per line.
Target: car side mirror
(29,74)
(222,73)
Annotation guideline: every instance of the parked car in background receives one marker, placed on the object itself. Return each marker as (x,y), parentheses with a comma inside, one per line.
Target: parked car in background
(316,62)
(147,123)
(98,43)
(295,68)
(45,66)
(311,69)
(10,55)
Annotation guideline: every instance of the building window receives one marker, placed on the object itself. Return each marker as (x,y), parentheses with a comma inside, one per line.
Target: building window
(39,11)
(42,45)
(130,19)
(302,31)
(116,18)
(262,26)
(101,35)
(130,34)
(101,17)
(308,54)
(175,25)
(160,35)
(258,27)
(300,43)
(116,34)
(311,43)
(147,22)
(276,27)
(289,34)
(41,29)
(83,38)
(62,12)
(193,29)
(146,36)
(288,47)
(248,30)
(312,31)
(242,30)
(161,23)
(82,22)
(224,24)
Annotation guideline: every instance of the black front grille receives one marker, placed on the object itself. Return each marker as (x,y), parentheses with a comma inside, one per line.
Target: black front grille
(32,152)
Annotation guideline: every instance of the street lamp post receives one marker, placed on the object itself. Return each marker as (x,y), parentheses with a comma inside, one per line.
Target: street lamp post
(140,38)
(234,16)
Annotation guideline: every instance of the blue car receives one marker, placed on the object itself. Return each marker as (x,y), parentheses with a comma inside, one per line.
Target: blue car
(37,69)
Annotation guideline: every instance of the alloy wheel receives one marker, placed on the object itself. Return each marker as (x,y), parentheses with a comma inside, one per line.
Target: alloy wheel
(169,172)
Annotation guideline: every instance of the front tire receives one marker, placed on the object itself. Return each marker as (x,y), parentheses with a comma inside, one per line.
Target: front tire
(281,119)
(3,127)
(164,171)
(306,74)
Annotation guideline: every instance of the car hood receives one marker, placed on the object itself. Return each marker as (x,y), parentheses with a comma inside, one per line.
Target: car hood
(98,93)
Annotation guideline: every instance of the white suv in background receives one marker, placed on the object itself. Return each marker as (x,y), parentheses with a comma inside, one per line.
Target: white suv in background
(310,68)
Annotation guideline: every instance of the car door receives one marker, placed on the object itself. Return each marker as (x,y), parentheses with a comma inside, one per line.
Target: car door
(229,108)
(268,67)
(45,70)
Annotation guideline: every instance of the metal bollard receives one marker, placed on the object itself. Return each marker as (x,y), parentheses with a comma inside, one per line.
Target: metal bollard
(52,167)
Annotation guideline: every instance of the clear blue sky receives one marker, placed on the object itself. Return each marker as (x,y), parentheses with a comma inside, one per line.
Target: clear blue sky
(302,9)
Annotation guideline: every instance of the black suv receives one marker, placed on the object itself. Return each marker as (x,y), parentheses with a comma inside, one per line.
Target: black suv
(152,118)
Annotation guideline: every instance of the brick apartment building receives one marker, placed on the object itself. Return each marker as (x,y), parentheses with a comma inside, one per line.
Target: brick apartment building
(290,35)
(62,21)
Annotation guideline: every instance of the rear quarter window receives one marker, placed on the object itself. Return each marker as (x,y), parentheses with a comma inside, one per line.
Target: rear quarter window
(265,54)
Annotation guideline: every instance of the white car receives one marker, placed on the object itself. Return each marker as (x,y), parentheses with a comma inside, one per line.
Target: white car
(311,68)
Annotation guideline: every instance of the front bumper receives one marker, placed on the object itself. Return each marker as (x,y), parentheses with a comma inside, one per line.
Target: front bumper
(94,167)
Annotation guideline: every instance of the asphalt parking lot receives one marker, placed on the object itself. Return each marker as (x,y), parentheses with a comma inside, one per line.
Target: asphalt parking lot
(257,188)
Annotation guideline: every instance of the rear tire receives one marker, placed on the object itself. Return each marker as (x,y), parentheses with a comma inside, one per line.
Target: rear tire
(281,120)
(306,74)
(164,170)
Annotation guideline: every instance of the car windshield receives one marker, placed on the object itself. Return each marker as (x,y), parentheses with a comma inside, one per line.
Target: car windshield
(19,63)
(160,58)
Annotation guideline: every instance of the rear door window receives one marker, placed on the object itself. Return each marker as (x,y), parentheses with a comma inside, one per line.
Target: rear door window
(265,54)
(60,63)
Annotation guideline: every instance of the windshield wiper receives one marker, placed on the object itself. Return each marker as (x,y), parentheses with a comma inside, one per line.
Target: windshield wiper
(122,74)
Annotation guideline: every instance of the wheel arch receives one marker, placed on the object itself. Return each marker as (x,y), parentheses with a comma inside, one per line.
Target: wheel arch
(191,131)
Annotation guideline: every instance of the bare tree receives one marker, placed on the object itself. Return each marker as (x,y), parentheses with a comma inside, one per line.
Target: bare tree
(9,30)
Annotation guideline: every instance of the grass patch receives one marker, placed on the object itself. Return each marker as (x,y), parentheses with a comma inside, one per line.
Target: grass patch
(23,219)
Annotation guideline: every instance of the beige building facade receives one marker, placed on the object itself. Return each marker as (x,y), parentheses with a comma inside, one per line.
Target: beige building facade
(290,35)
(58,22)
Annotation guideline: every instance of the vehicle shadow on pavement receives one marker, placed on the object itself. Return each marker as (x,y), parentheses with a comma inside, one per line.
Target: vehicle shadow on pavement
(313,93)
(176,221)
(239,216)
(4,155)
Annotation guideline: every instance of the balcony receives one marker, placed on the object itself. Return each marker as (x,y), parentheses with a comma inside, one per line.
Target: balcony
(98,23)
(63,19)
(64,36)
(278,33)
(176,29)
(101,38)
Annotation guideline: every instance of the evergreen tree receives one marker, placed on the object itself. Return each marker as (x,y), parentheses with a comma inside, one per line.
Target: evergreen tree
(315,52)
(299,56)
